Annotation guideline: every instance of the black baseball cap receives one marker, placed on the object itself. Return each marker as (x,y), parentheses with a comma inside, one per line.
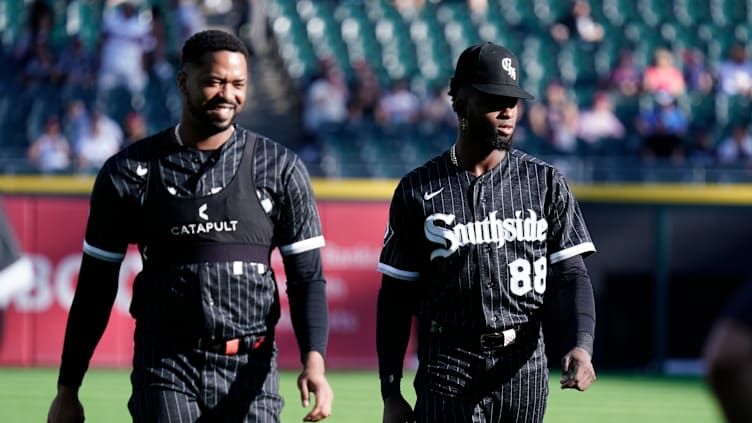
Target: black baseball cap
(490,68)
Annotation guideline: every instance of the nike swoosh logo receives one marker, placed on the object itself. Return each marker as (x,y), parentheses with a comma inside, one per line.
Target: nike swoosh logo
(141,171)
(427,196)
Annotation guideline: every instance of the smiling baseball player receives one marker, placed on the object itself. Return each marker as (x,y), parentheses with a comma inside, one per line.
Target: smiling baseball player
(472,236)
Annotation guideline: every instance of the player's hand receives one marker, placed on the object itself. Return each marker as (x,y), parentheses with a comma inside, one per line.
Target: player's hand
(66,408)
(577,371)
(397,410)
(313,381)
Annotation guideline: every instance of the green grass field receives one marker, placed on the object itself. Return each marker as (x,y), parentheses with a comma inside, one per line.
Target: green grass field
(25,395)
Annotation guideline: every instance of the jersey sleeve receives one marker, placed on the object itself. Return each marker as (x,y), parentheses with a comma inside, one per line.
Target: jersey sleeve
(298,228)
(568,233)
(109,221)
(400,252)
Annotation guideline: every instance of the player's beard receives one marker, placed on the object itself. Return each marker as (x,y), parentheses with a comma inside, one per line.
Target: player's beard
(200,112)
(489,136)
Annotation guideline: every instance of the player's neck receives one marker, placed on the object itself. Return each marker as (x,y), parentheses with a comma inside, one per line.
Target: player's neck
(477,160)
(192,137)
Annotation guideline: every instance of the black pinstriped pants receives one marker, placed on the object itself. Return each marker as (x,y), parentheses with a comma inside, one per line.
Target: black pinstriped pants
(202,386)
(465,384)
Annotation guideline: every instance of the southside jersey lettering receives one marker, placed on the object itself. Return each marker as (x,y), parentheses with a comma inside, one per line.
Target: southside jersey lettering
(490,230)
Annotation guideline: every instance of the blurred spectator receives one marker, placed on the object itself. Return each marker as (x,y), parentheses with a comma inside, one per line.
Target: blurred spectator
(408,6)
(76,121)
(398,107)
(599,122)
(554,119)
(37,31)
(77,68)
(125,39)
(325,108)
(155,60)
(134,128)
(663,75)
(697,74)
(103,139)
(39,69)
(578,24)
(258,30)
(737,146)
(364,97)
(188,19)
(479,7)
(50,152)
(701,149)
(663,128)
(735,72)
(626,76)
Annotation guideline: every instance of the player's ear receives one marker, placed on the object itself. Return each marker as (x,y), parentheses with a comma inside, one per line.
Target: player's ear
(459,101)
(182,78)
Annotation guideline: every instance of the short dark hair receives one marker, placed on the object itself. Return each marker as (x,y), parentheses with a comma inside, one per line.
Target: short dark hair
(207,41)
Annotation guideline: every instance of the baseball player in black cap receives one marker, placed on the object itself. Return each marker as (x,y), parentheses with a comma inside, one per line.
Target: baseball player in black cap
(206,201)
(471,239)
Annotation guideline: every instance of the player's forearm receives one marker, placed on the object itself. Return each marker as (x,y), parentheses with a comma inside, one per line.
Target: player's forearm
(306,292)
(310,317)
(393,324)
(577,301)
(90,311)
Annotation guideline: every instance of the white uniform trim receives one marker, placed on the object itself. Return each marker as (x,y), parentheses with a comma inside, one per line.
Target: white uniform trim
(585,247)
(17,277)
(302,246)
(102,254)
(397,273)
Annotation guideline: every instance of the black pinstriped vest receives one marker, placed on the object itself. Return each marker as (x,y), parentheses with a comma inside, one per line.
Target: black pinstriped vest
(227,226)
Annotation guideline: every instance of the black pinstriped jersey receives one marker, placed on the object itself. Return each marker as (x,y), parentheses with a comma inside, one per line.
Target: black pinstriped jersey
(480,247)
(232,298)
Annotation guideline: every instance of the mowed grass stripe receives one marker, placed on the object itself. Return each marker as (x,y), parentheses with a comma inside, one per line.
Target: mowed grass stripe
(25,395)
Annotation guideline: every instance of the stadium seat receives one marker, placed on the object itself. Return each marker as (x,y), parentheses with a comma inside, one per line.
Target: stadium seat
(577,65)
(626,108)
(653,12)
(679,36)
(701,108)
(718,39)
(617,12)
(539,57)
(84,17)
(645,40)
(732,108)
(691,12)
(606,55)
(520,14)
(358,35)
(725,12)
(459,29)
(295,49)
(431,50)
(12,20)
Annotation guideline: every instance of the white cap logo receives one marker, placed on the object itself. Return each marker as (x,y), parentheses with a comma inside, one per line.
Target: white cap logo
(506,64)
